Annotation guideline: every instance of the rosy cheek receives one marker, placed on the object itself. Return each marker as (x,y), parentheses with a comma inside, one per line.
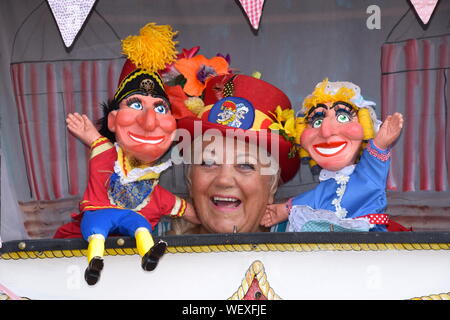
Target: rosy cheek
(307,137)
(353,131)
(125,117)
(167,123)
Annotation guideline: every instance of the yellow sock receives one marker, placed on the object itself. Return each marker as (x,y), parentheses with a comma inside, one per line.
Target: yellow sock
(96,246)
(144,241)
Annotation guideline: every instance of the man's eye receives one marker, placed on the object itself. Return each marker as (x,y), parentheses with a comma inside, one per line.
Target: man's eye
(161,109)
(343,118)
(317,123)
(136,106)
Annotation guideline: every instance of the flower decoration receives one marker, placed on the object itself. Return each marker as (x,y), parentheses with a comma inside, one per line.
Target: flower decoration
(197,70)
(185,79)
(170,72)
(342,179)
(286,125)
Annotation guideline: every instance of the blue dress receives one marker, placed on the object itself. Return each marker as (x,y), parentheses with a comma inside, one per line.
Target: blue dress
(341,196)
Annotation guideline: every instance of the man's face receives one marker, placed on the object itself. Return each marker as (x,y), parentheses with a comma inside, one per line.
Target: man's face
(144,127)
(333,136)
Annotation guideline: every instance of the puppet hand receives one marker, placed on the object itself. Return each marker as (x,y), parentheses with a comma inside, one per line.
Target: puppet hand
(266,220)
(275,213)
(190,214)
(389,131)
(82,128)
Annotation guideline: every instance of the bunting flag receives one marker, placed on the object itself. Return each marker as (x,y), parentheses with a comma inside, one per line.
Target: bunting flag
(70,17)
(253,9)
(424,8)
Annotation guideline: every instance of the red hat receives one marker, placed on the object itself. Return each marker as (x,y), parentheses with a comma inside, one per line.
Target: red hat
(146,53)
(255,101)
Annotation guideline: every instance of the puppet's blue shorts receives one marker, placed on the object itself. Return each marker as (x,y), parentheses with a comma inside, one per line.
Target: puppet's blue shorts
(112,221)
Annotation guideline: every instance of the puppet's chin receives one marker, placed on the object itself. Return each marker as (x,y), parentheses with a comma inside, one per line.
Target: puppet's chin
(148,154)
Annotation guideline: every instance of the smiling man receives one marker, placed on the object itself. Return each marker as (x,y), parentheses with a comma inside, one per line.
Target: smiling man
(341,135)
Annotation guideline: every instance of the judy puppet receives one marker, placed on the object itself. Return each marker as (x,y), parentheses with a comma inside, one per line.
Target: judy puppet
(339,133)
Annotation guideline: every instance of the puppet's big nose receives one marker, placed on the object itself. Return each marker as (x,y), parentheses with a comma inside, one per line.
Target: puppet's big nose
(147,120)
(328,127)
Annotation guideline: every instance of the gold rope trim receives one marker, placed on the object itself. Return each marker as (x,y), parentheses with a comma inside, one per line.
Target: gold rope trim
(265,247)
(255,271)
(4,296)
(440,296)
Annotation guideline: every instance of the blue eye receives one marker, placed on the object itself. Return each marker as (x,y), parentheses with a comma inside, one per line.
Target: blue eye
(161,109)
(136,106)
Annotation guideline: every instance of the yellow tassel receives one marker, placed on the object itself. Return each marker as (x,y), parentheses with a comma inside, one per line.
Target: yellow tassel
(195,104)
(152,49)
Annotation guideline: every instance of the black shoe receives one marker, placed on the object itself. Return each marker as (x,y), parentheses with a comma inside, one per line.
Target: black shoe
(151,258)
(92,273)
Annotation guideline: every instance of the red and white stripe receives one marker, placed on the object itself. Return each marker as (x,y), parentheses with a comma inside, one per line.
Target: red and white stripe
(413,83)
(45,92)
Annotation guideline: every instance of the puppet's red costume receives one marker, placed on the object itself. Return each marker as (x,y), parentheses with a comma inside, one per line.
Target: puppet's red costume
(101,165)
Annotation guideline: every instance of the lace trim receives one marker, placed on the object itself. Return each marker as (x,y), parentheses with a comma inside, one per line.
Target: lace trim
(300,215)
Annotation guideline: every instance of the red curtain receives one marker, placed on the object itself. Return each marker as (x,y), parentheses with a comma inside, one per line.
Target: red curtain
(45,93)
(414,82)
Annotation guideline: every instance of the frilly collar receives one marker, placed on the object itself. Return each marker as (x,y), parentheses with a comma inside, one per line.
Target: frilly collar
(134,174)
(337,175)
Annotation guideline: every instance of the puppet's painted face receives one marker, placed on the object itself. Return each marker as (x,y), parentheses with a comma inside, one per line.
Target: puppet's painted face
(333,136)
(144,127)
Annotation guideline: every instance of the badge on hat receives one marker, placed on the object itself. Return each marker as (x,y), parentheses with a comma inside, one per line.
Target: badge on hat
(233,112)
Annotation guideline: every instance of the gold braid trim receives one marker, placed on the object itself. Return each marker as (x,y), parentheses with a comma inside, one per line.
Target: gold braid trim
(255,271)
(265,247)
(440,296)
(4,296)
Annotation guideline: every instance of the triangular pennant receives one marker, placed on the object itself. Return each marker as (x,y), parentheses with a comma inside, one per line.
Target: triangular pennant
(424,8)
(70,17)
(253,9)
